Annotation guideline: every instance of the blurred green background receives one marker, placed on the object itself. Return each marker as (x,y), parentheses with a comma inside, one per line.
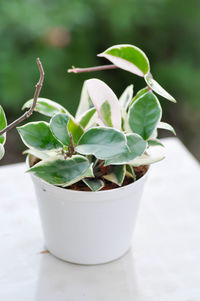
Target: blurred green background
(65,33)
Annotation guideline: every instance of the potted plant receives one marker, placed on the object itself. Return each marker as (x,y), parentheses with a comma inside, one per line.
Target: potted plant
(89,170)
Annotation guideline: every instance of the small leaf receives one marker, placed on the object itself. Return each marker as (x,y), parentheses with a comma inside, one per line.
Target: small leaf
(62,172)
(139,93)
(129,58)
(105,111)
(144,115)
(94,184)
(116,175)
(86,117)
(157,88)
(45,106)
(136,147)
(102,142)
(3,124)
(58,126)
(43,155)
(85,102)
(2,151)
(166,126)
(130,172)
(38,135)
(126,97)
(100,93)
(75,129)
(155,142)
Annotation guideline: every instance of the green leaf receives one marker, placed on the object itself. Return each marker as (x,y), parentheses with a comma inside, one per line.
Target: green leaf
(144,115)
(59,128)
(3,124)
(100,93)
(62,172)
(43,155)
(94,184)
(105,111)
(2,151)
(136,147)
(139,93)
(126,97)
(166,126)
(157,88)
(116,175)
(45,106)
(102,142)
(86,117)
(155,142)
(129,58)
(75,129)
(38,135)
(130,172)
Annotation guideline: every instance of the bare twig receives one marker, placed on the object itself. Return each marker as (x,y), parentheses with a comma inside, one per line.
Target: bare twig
(28,113)
(97,68)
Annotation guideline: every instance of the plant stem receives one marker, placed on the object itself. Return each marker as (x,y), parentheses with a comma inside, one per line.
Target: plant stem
(90,69)
(28,113)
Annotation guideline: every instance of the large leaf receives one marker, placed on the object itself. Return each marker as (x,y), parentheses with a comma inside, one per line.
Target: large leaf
(3,124)
(126,97)
(86,117)
(116,175)
(144,115)
(101,94)
(2,151)
(85,102)
(59,128)
(136,147)
(166,126)
(38,135)
(129,58)
(94,184)
(45,106)
(157,88)
(62,172)
(102,142)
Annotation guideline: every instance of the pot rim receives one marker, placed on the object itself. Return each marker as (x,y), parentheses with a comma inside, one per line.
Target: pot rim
(88,192)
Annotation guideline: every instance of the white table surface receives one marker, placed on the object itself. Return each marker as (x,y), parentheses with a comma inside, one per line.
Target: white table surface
(163,264)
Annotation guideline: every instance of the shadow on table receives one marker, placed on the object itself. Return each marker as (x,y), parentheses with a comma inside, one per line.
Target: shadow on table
(59,280)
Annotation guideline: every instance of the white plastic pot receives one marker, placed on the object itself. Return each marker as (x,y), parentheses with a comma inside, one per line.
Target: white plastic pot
(87,227)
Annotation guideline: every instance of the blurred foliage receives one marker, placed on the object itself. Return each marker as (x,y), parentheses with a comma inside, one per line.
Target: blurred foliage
(71,32)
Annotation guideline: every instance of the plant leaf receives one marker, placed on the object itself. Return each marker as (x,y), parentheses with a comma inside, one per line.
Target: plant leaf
(38,135)
(43,155)
(139,93)
(126,97)
(45,106)
(155,142)
(144,115)
(105,111)
(94,184)
(62,172)
(128,57)
(100,93)
(102,142)
(154,154)
(2,151)
(75,129)
(166,126)
(157,88)
(59,128)
(86,117)
(85,102)
(136,147)
(130,172)
(3,124)
(117,174)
